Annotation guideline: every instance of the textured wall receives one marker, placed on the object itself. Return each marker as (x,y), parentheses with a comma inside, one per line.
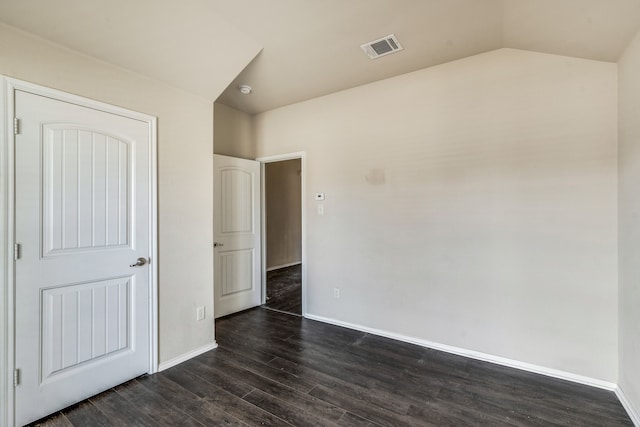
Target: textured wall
(471,204)
(185,171)
(629,217)
(233,133)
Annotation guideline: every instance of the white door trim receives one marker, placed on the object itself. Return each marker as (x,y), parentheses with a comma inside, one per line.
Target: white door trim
(278,158)
(8,86)
(6,262)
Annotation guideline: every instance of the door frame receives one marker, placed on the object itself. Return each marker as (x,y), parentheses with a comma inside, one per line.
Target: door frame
(8,87)
(263,211)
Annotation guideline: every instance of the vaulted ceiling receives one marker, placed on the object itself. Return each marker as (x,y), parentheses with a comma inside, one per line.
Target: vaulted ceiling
(301,49)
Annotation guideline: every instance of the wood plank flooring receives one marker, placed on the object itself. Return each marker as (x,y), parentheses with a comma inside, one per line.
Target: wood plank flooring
(275,369)
(284,289)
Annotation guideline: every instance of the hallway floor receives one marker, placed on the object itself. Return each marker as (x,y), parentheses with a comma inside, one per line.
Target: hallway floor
(284,289)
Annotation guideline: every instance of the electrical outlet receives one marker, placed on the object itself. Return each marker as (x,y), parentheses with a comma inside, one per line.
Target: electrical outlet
(200,314)
(336,292)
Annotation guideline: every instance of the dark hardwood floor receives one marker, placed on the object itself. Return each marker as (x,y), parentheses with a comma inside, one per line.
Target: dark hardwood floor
(284,289)
(275,369)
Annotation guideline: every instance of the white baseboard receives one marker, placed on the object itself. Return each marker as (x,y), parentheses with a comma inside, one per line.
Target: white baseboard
(277,267)
(634,413)
(186,356)
(474,354)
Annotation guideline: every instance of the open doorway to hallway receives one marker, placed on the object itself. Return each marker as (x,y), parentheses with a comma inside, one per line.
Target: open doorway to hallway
(283,224)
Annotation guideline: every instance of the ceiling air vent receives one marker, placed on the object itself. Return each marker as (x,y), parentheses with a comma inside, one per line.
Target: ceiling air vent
(381,47)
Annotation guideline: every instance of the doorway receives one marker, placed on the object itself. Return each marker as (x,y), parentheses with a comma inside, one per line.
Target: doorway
(283,235)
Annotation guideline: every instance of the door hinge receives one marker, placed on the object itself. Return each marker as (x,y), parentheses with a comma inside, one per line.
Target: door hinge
(16,126)
(16,251)
(16,377)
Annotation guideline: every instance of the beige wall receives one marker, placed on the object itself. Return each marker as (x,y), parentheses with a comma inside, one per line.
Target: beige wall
(185,133)
(283,192)
(629,217)
(471,204)
(233,132)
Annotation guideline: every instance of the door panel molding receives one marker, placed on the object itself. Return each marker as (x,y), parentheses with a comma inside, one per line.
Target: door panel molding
(67,154)
(64,345)
(8,88)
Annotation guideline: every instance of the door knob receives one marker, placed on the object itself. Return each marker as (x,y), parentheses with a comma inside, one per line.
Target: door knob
(140,262)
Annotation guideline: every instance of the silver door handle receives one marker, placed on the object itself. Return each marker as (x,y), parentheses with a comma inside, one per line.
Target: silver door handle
(140,262)
(216,244)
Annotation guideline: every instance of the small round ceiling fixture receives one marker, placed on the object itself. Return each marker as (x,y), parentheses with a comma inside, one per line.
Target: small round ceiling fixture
(245,89)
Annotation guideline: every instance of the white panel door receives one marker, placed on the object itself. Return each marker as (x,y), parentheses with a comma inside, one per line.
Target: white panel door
(82,218)
(237,234)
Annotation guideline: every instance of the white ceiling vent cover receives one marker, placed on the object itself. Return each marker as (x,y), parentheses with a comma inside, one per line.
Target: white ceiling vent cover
(381,47)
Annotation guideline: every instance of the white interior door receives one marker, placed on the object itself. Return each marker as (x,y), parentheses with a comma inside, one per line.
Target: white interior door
(82,218)
(237,234)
